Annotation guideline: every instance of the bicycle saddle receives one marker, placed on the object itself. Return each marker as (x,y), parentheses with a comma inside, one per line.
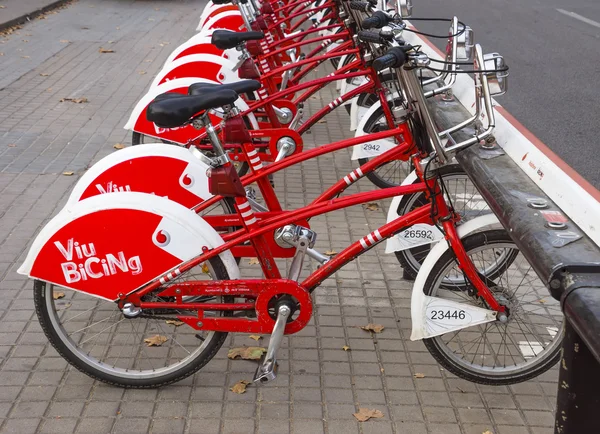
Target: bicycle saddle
(239,87)
(177,109)
(224,39)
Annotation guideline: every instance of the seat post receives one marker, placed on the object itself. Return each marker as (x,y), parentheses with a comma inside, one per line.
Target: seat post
(221,156)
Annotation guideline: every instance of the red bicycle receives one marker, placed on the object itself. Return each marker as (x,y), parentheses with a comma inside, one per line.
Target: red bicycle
(156,291)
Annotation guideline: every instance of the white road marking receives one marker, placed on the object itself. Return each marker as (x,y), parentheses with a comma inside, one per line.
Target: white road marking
(580,18)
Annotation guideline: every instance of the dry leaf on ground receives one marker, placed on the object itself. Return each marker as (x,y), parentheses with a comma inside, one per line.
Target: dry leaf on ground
(365,414)
(141,72)
(75,100)
(375,328)
(44,74)
(487,432)
(255,337)
(174,322)
(57,294)
(156,340)
(118,146)
(105,50)
(240,387)
(65,41)
(68,173)
(331,252)
(346,348)
(246,353)
(371,206)
(419,375)
(253,261)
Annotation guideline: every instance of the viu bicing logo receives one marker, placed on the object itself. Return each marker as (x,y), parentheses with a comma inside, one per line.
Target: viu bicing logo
(82,263)
(112,188)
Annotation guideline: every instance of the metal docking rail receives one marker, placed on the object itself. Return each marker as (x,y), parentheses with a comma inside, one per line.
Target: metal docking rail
(562,255)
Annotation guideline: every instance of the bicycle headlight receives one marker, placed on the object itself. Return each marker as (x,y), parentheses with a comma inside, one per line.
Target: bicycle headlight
(464,43)
(497,75)
(404,8)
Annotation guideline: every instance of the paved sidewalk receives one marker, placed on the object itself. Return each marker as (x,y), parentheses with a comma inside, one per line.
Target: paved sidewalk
(319,385)
(13,12)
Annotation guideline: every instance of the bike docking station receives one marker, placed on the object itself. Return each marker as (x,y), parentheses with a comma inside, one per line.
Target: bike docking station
(539,204)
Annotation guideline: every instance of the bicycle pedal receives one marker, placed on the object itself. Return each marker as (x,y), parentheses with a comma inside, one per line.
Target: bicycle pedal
(266,371)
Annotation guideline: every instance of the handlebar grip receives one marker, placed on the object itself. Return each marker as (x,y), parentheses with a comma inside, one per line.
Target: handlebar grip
(376,21)
(373,37)
(360,6)
(394,58)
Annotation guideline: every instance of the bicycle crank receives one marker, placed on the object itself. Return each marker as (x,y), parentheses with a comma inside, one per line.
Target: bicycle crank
(267,370)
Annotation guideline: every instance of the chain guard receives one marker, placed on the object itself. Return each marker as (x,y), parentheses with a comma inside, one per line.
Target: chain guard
(262,290)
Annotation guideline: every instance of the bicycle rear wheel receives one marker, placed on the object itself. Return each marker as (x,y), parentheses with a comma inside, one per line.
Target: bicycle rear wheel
(151,350)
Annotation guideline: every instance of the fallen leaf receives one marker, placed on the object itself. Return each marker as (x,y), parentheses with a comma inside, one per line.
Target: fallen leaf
(1,53)
(148,60)
(174,322)
(253,261)
(49,89)
(419,375)
(240,387)
(118,146)
(44,74)
(331,252)
(322,121)
(25,40)
(57,295)
(205,269)
(75,100)
(346,348)
(11,145)
(541,300)
(65,41)
(25,57)
(255,337)
(105,50)
(371,206)
(85,28)
(141,72)
(487,432)
(150,19)
(68,173)
(2,7)
(365,414)
(246,353)
(156,340)
(375,328)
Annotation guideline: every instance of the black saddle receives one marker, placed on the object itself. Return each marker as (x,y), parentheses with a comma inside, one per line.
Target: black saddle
(224,39)
(239,87)
(174,110)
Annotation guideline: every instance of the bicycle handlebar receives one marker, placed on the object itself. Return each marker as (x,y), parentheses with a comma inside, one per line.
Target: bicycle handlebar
(360,6)
(374,37)
(394,58)
(377,20)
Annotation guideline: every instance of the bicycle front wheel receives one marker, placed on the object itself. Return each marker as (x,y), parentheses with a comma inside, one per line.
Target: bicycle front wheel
(497,353)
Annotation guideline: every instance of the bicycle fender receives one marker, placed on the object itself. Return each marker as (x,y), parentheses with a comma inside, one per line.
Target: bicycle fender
(211,10)
(110,245)
(182,177)
(137,120)
(373,148)
(201,44)
(207,66)
(229,20)
(425,327)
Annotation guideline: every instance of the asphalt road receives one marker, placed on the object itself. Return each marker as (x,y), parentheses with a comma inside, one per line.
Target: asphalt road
(554,60)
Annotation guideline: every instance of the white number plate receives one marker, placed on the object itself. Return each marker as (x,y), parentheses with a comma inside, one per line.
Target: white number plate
(417,235)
